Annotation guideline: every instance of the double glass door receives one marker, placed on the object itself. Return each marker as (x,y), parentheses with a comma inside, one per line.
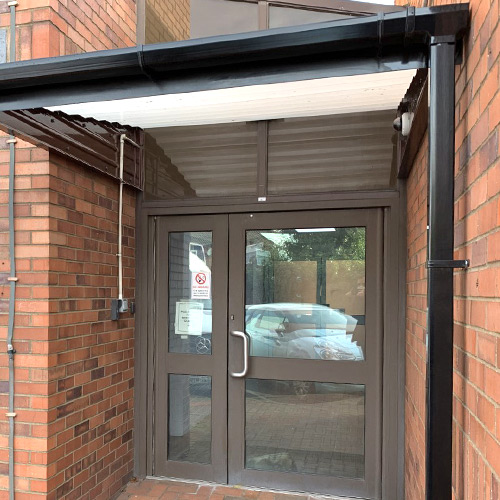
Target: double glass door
(268,331)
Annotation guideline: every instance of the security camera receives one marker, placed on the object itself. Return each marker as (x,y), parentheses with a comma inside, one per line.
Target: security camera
(403,123)
(397,124)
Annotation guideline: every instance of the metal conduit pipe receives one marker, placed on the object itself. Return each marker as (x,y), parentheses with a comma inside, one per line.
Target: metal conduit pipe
(120,305)
(12,301)
(12,278)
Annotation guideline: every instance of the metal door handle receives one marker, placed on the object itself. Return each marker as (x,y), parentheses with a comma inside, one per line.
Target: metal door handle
(246,343)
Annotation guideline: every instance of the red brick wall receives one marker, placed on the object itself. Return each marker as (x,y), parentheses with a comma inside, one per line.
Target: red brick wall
(416,319)
(48,28)
(90,418)
(74,367)
(32,318)
(476,426)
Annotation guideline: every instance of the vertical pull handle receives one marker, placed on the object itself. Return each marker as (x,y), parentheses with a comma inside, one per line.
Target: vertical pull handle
(246,344)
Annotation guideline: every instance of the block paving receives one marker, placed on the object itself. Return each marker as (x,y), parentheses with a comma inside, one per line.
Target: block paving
(168,489)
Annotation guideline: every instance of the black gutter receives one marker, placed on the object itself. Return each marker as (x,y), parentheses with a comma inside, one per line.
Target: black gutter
(388,41)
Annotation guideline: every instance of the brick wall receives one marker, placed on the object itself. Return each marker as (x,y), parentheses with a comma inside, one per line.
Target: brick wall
(47,28)
(74,367)
(32,316)
(167,20)
(476,424)
(90,419)
(416,319)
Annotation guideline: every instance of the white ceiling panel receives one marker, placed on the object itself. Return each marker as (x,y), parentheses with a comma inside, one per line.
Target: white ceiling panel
(326,96)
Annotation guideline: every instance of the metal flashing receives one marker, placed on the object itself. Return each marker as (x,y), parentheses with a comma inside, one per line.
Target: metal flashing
(347,7)
(416,101)
(89,142)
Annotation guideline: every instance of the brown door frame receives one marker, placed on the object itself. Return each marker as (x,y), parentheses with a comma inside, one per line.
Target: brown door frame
(367,373)
(213,365)
(393,204)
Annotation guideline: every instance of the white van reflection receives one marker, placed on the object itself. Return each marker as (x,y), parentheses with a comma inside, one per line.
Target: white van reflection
(305,331)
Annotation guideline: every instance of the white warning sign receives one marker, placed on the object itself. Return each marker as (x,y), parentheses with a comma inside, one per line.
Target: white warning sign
(201,285)
(188,318)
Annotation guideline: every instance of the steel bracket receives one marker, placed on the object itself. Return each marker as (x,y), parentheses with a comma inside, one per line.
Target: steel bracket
(443,39)
(410,22)
(443,264)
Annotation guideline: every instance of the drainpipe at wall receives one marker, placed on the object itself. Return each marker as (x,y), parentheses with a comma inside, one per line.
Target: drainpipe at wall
(12,278)
(12,301)
(440,269)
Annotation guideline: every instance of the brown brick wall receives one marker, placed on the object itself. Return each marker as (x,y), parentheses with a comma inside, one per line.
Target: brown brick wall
(74,367)
(167,21)
(476,425)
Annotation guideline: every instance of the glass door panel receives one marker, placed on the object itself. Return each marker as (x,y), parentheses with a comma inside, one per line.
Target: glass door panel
(190,292)
(190,418)
(305,293)
(305,427)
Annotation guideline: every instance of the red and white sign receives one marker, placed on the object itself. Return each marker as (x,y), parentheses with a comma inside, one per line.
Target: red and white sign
(200,285)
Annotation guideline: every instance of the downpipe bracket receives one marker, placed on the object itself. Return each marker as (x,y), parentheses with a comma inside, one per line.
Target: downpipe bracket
(445,264)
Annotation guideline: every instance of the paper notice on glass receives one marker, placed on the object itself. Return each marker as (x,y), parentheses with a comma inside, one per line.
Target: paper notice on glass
(200,285)
(188,318)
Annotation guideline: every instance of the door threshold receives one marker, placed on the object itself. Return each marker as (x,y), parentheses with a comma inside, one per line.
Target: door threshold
(208,488)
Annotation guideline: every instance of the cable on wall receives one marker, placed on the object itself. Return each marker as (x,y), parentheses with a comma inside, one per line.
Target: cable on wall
(12,278)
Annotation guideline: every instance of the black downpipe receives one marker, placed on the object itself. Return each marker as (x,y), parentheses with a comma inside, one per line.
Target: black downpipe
(440,276)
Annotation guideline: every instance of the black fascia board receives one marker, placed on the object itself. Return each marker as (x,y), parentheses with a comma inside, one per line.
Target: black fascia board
(336,48)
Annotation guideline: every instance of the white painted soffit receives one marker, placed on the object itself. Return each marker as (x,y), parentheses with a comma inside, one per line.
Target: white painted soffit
(325,96)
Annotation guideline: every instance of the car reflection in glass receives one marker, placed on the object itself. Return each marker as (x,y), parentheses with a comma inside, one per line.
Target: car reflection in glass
(305,331)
